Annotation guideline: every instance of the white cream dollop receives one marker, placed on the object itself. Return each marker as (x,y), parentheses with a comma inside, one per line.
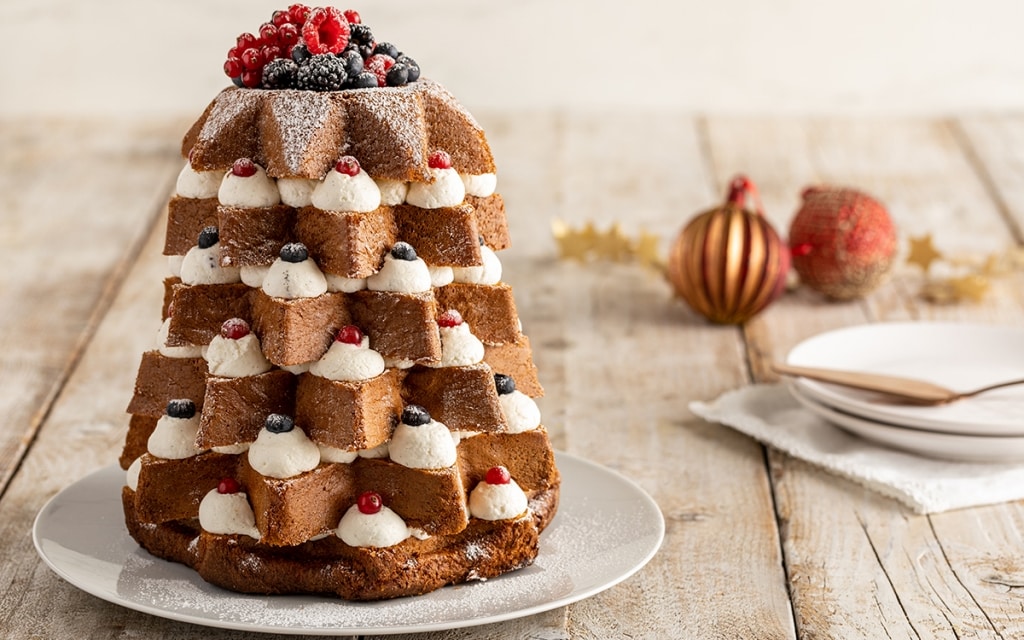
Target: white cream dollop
(521,412)
(446,190)
(344,285)
(291,280)
(405,276)
(174,438)
(497,501)
(334,454)
(257,190)
(239,358)
(342,192)
(232,449)
(131,479)
(253,275)
(392,192)
(183,351)
(174,265)
(297,369)
(487,273)
(380,451)
(382,529)
(198,184)
(227,513)
(202,266)
(297,192)
(428,446)
(480,185)
(349,362)
(283,455)
(459,347)
(441,276)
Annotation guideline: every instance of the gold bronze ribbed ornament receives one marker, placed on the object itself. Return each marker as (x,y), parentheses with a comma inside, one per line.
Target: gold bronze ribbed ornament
(728,263)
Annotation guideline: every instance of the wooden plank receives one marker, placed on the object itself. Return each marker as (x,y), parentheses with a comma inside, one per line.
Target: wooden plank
(65,232)
(860,565)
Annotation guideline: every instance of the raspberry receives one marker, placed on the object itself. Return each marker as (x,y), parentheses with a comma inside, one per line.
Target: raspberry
(233,67)
(325,31)
(323,72)
(498,475)
(234,329)
(439,160)
(352,16)
(349,334)
(243,168)
(348,165)
(298,13)
(369,503)
(280,74)
(450,318)
(378,64)
(415,416)
(228,485)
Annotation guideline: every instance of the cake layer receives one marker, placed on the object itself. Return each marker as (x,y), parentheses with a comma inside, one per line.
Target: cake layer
(161,379)
(515,359)
(463,398)
(349,415)
(489,309)
(235,409)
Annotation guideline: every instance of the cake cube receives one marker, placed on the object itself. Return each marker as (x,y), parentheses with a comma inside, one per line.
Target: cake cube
(200,310)
(172,489)
(162,379)
(300,330)
(186,217)
(430,499)
(447,236)
(307,151)
(235,409)
(348,415)
(135,442)
(528,456)
(383,147)
(253,237)
(347,244)
(490,220)
(225,132)
(455,130)
(515,359)
(463,398)
(402,324)
(489,310)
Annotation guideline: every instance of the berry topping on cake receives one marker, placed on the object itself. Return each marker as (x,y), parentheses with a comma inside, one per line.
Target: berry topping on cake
(323,72)
(243,168)
(397,76)
(364,80)
(348,165)
(353,62)
(228,486)
(208,237)
(439,160)
(450,318)
(234,329)
(369,502)
(403,251)
(504,384)
(349,334)
(498,475)
(361,36)
(294,252)
(280,74)
(181,408)
(298,13)
(325,31)
(279,423)
(411,65)
(415,416)
(300,54)
(378,64)
(387,49)
(352,16)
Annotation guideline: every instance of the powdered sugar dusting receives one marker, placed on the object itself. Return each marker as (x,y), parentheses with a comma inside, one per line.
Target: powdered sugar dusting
(229,107)
(300,116)
(399,121)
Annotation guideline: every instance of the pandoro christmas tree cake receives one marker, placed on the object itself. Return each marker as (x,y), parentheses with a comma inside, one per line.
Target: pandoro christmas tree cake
(340,397)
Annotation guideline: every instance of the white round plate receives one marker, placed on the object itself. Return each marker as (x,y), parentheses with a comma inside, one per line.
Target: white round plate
(606,529)
(933,444)
(958,356)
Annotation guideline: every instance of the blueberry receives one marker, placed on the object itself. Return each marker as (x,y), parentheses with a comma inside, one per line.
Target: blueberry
(398,75)
(353,62)
(238,82)
(181,408)
(208,237)
(415,416)
(364,80)
(300,53)
(414,69)
(387,49)
(403,251)
(360,34)
(294,252)
(504,384)
(279,423)
(365,50)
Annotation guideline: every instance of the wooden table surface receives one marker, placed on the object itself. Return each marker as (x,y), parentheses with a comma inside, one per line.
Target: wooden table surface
(758,544)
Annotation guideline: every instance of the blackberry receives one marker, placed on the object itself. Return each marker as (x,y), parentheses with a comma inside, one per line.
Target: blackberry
(364,80)
(294,252)
(353,62)
(504,384)
(398,75)
(323,72)
(300,53)
(208,237)
(278,423)
(360,34)
(182,408)
(414,68)
(387,49)
(280,74)
(415,416)
(403,251)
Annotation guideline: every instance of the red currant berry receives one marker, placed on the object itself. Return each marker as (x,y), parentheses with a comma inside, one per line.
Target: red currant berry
(272,52)
(268,33)
(252,79)
(235,52)
(246,41)
(439,160)
(352,16)
(234,329)
(298,13)
(280,18)
(233,67)
(252,58)
(243,168)
(228,485)
(287,35)
(450,318)
(370,503)
(348,166)
(349,334)
(498,475)
(379,64)
(325,31)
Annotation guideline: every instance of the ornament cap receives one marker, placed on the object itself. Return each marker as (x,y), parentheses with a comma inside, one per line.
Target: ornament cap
(740,188)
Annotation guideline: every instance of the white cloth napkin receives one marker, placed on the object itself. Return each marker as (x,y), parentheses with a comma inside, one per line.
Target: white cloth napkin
(769,414)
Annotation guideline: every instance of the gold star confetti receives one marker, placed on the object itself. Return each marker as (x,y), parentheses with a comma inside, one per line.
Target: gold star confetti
(923,252)
(588,242)
(971,287)
(646,250)
(572,245)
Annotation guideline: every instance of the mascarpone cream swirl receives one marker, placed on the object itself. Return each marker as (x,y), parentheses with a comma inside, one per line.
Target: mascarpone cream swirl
(392,192)
(459,347)
(297,192)
(480,185)
(487,273)
(404,276)
(382,529)
(250,192)
(236,358)
(198,184)
(497,501)
(427,446)
(174,438)
(232,449)
(445,190)
(334,454)
(521,412)
(182,351)
(227,514)
(380,451)
(342,284)
(131,479)
(253,275)
(441,276)
(174,265)
(202,266)
(349,362)
(283,455)
(291,280)
(343,192)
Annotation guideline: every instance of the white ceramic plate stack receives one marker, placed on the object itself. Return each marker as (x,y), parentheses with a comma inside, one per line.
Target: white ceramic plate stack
(984,428)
